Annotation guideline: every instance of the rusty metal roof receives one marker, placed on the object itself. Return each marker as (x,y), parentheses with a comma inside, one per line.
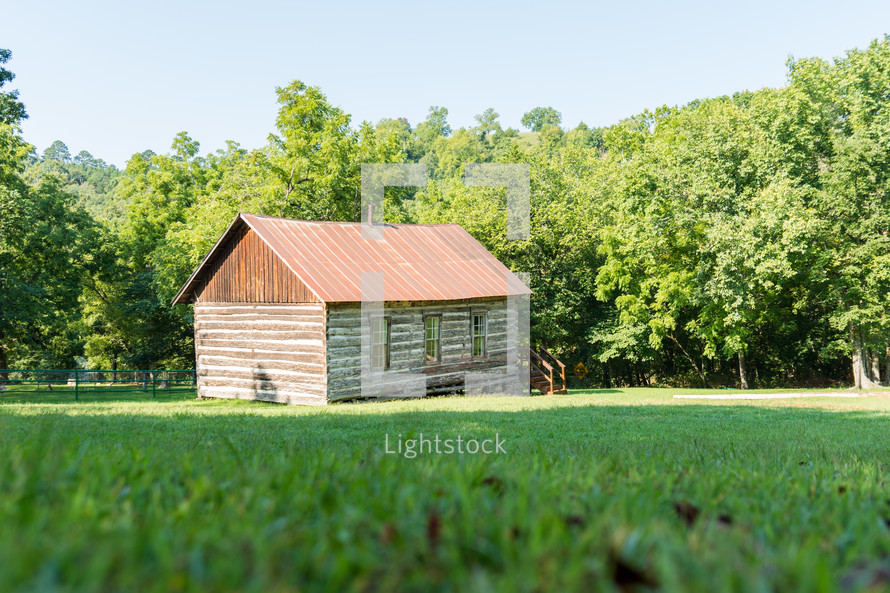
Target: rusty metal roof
(419,262)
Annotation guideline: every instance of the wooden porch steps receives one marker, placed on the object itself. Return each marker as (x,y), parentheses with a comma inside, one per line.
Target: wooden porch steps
(547,373)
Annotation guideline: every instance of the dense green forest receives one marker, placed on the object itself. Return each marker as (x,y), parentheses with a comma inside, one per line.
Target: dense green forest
(738,241)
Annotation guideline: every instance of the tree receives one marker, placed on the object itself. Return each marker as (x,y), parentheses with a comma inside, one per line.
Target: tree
(428,132)
(585,136)
(705,233)
(85,159)
(434,126)
(20,247)
(857,194)
(133,303)
(395,130)
(46,245)
(846,163)
(540,118)
(487,123)
(311,156)
(453,153)
(90,180)
(57,151)
(12,111)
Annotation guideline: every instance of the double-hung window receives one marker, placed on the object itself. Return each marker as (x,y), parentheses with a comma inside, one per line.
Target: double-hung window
(432,345)
(380,343)
(479,334)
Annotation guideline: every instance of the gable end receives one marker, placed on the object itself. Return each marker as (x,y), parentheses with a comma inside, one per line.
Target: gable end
(244,269)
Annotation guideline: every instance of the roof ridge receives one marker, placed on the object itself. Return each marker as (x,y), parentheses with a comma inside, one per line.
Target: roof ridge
(345,222)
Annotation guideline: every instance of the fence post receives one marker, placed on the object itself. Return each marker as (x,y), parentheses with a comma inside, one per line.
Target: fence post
(153,386)
(76,385)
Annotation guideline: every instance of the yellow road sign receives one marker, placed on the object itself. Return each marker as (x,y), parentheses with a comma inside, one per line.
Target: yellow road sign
(580,370)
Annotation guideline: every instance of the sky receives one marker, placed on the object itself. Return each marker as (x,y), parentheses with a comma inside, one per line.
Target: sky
(118,78)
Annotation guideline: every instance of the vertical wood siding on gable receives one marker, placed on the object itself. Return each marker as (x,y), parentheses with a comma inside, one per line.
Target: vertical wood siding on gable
(246,270)
(263,351)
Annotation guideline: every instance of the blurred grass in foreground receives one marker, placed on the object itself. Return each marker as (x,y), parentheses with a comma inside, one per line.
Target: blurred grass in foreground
(599,490)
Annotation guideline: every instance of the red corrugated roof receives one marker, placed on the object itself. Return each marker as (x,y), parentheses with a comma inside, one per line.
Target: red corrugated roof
(419,262)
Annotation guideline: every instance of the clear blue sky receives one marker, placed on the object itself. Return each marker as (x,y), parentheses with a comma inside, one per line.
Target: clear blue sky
(120,77)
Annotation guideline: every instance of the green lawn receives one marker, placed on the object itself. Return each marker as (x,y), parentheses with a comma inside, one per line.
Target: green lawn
(598,490)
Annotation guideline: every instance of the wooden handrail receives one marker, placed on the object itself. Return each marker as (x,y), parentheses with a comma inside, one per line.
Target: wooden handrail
(559,362)
(532,365)
(562,367)
(544,362)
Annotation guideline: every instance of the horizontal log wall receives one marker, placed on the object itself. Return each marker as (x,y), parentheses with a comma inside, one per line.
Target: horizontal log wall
(246,270)
(269,352)
(408,367)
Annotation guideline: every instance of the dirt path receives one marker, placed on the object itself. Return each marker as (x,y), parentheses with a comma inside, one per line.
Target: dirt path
(846,394)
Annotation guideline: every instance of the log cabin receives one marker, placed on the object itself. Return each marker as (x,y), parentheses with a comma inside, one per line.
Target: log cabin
(282,312)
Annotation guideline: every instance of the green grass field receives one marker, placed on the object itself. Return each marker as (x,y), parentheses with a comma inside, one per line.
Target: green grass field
(599,490)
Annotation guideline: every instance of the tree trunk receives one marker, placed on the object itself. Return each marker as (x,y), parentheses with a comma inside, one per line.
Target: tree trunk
(857,358)
(875,374)
(861,361)
(887,366)
(3,363)
(743,371)
(700,372)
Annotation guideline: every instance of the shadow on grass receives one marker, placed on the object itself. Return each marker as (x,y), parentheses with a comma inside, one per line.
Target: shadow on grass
(592,391)
(64,396)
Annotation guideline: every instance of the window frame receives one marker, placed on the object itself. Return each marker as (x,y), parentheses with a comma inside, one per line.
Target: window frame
(387,345)
(484,336)
(426,357)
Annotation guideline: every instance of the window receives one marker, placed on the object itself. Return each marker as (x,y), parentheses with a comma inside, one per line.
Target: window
(380,343)
(431,341)
(479,332)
